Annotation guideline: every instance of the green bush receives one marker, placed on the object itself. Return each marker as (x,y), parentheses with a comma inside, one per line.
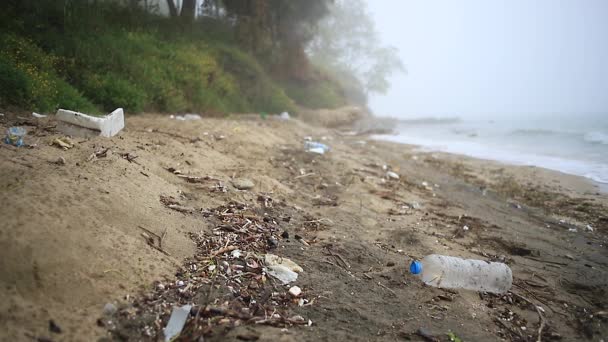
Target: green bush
(29,78)
(96,57)
(111,91)
(316,95)
(70,98)
(14,85)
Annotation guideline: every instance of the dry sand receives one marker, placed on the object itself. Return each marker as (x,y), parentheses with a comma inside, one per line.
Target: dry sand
(70,240)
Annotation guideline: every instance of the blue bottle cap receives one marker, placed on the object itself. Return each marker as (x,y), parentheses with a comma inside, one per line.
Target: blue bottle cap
(416,267)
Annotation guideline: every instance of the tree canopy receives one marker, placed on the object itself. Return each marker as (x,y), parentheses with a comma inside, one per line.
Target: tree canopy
(347,43)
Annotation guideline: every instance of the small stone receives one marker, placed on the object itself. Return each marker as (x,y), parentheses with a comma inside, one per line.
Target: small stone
(53,327)
(243,183)
(180,283)
(297,318)
(60,161)
(295,291)
(285,235)
(109,309)
(272,242)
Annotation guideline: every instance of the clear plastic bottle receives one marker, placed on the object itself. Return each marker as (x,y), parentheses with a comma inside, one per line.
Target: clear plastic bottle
(456,273)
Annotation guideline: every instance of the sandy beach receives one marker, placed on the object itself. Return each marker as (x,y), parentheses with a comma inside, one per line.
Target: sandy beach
(79,228)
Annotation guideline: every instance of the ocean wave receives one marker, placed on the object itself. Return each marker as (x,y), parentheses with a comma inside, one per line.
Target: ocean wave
(536,132)
(597,138)
(431,121)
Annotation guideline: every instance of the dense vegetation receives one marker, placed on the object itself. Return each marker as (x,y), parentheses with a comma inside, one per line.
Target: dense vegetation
(94,56)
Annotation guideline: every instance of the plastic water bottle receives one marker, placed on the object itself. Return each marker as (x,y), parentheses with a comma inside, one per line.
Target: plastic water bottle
(315,147)
(456,273)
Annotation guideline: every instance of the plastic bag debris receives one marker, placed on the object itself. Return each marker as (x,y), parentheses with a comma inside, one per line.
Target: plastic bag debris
(14,136)
(282,268)
(176,323)
(186,117)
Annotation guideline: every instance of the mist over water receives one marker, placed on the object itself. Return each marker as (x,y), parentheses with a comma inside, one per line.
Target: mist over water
(517,81)
(568,144)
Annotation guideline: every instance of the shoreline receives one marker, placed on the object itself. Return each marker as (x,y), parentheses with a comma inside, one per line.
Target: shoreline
(512,160)
(80,245)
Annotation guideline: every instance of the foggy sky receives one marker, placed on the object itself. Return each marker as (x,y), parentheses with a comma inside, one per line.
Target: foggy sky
(480,58)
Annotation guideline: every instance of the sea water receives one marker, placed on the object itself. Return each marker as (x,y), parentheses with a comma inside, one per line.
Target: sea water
(571,144)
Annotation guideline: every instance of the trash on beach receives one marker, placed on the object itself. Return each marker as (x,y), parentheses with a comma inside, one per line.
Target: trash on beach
(282,268)
(457,273)
(83,125)
(282,273)
(315,147)
(14,136)
(284,116)
(589,228)
(295,291)
(426,186)
(392,175)
(572,230)
(272,260)
(176,323)
(63,142)
(39,116)
(186,117)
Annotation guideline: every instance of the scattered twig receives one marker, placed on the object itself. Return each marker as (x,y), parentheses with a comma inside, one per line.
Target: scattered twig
(334,254)
(181,208)
(386,287)
(197,179)
(159,249)
(99,154)
(305,175)
(159,239)
(149,231)
(512,331)
(223,250)
(546,261)
(541,324)
(533,295)
(162,237)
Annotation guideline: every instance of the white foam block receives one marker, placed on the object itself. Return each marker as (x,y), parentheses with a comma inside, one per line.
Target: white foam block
(107,126)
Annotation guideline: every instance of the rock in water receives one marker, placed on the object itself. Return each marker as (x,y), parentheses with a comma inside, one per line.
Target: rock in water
(243,184)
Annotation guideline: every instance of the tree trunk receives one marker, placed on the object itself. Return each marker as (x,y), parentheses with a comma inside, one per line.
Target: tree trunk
(189,9)
(172,8)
